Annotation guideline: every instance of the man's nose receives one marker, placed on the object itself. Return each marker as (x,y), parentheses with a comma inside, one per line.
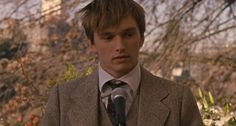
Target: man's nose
(119,44)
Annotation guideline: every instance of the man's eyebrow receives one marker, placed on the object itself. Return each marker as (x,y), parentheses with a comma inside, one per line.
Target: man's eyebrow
(105,33)
(129,29)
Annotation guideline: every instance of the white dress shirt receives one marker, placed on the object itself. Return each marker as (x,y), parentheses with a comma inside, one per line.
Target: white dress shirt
(132,79)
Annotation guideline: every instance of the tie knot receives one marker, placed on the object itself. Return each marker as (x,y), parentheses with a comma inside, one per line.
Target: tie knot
(112,84)
(116,83)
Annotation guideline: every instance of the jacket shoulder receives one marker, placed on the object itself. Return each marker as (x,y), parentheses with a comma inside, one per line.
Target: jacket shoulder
(163,82)
(69,86)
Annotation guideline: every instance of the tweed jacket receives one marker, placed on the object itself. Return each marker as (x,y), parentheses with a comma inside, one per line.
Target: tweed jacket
(161,103)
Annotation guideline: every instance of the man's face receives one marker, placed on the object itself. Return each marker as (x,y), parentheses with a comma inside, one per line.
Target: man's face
(118,47)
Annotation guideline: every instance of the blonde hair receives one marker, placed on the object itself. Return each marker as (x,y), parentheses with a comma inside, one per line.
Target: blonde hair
(101,14)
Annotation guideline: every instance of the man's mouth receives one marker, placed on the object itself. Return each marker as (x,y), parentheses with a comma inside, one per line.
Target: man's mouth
(121,57)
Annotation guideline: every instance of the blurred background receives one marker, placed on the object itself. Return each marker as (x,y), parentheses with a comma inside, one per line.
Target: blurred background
(42,43)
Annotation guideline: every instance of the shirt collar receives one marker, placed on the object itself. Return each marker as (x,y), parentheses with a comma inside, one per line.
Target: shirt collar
(132,78)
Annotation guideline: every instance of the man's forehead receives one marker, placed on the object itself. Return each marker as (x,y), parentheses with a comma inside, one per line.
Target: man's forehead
(116,30)
(108,25)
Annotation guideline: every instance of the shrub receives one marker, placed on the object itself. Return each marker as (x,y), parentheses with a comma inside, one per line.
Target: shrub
(213,114)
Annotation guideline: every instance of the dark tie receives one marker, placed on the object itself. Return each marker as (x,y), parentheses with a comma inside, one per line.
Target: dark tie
(110,107)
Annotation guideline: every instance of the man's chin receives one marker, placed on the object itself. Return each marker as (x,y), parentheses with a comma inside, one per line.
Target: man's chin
(123,69)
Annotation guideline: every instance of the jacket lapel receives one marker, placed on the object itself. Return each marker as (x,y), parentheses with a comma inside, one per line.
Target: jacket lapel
(152,112)
(84,106)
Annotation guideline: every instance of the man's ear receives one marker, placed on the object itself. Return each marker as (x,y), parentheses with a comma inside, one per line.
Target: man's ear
(91,46)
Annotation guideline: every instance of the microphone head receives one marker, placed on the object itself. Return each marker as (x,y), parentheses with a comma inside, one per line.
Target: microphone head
(119,92)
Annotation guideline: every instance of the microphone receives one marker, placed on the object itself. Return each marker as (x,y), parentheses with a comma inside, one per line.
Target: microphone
(119,96)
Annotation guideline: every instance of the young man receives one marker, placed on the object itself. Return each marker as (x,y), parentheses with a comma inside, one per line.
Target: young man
(115,30)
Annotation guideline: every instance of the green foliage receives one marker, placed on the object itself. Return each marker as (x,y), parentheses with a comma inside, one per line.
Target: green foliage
(232,121)
(71,73)
(89,71)
(51,82)
(207,101)
(212,114)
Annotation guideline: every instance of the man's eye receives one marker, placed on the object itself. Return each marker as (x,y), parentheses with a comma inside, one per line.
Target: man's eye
(108,37)
(129,34)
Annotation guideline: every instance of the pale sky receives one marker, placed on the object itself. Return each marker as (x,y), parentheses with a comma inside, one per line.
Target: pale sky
(32,5)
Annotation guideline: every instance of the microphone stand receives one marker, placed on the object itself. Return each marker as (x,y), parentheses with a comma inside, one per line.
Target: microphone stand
(120,117)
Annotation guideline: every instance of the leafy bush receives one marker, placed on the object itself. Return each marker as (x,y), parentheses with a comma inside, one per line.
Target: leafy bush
(70,73)
(213,114)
